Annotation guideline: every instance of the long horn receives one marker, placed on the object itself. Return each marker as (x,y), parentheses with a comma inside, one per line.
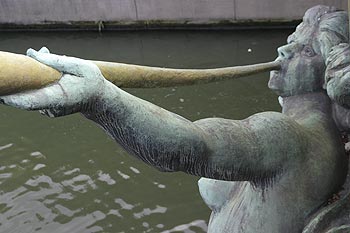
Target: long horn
(20,73)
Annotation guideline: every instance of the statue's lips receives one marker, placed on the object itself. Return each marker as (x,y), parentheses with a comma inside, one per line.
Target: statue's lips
(274,73)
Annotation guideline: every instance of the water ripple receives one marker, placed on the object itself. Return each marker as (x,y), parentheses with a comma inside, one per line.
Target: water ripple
(148,211)
(6,146)
(80,183)
(39,166)
(105,177)
(136,171)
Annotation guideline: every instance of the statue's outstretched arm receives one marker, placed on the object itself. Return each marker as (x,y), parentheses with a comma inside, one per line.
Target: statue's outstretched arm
(214,148)
(251,149)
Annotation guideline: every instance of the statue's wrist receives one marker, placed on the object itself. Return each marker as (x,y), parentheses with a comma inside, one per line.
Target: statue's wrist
(102,98)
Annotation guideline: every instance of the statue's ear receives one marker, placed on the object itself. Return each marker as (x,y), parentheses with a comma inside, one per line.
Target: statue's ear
(216,193)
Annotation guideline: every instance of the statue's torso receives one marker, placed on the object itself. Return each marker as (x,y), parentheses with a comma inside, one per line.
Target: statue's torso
(285,205)
(251,210)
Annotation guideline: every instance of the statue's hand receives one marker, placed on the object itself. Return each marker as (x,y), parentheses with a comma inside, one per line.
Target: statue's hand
(80,83)
(337,77)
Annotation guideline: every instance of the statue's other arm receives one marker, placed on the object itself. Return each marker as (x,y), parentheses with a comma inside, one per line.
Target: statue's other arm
(254,149)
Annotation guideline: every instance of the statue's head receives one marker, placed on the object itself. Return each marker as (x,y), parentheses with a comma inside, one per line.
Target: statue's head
(303,57)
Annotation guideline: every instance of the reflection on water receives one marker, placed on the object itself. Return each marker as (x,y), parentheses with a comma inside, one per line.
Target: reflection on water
(66,175)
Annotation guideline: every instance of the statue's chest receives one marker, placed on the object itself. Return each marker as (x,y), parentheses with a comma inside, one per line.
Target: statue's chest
(252,211)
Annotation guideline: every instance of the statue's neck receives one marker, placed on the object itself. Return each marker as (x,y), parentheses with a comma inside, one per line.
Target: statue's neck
(304,106)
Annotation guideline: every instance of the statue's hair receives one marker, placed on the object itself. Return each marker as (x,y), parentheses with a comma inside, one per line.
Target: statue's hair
(331,27)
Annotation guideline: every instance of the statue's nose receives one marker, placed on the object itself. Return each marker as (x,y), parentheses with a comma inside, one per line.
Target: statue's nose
(286,51)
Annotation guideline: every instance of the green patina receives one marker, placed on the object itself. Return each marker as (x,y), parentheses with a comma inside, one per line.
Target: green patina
(271,172)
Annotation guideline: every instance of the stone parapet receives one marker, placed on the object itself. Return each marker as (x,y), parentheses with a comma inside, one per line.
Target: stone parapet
(129,14)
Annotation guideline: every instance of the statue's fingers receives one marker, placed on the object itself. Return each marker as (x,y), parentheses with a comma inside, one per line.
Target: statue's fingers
(44,50)
(70,65)
(45,98)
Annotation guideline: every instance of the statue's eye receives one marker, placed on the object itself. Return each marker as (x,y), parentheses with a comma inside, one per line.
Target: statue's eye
(308,51)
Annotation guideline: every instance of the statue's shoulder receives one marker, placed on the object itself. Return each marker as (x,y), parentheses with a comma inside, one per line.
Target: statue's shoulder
(271,116)
(276,120)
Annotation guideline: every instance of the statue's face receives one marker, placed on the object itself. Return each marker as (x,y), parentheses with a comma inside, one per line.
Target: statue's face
(303,66)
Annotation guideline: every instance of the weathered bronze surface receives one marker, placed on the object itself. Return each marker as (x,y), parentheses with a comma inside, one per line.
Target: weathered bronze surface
(271,172)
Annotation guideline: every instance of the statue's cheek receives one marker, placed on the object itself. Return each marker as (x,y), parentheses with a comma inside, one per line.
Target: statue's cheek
(311,74)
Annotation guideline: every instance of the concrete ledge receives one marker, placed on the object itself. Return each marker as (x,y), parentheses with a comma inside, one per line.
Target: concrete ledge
(151,25)
(152,14)
(280,9)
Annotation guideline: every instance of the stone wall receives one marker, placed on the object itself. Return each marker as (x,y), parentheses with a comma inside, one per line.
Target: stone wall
(134,13)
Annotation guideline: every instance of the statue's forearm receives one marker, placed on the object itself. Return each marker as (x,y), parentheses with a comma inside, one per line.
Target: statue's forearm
(156,136)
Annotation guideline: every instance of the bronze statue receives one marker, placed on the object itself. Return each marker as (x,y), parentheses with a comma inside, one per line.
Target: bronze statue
(271,172)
